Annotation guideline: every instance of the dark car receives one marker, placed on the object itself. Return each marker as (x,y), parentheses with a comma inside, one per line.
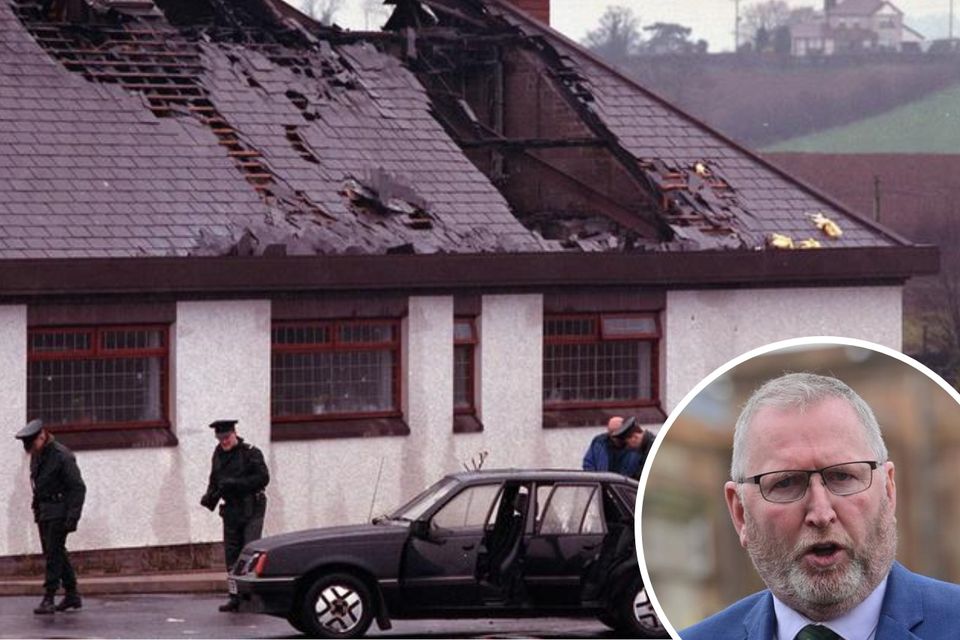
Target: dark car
(477,544)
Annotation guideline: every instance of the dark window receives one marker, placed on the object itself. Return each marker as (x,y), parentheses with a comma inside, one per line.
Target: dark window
(83,378)
(346,368)
(464,348)
(600,360)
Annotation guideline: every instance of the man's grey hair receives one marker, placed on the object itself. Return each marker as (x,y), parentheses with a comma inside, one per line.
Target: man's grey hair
(799,391)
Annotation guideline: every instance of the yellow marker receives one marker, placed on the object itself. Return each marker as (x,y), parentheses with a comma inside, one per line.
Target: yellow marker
(780,241)
(828,226)
(809,243)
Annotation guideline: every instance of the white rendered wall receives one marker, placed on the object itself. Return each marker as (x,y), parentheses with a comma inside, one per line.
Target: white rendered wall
(704,329)
(17,531)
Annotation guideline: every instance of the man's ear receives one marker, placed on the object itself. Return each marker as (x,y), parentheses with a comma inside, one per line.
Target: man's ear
(735,507)
(890,485)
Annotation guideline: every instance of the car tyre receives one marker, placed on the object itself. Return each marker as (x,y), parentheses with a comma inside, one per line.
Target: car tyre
(635,613)
(338,605)
(296,621)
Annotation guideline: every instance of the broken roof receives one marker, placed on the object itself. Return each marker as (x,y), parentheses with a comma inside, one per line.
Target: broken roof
(174,128)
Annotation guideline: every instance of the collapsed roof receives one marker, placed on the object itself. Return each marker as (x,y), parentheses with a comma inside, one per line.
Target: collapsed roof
(220,127)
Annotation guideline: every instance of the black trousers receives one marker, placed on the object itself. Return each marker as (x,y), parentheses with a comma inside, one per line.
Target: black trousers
(237,533)
(53,539)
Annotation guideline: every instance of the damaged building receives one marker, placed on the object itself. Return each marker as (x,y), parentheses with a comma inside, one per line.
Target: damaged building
(384,253)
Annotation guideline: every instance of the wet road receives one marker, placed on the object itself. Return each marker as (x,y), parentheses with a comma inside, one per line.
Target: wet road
(196,616)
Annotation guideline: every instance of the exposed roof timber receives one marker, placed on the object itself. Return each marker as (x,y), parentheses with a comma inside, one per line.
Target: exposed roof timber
(533,143)
(25,279)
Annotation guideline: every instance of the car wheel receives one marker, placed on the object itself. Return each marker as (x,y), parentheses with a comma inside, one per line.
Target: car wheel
(607,618)
(337,606)
(636,614)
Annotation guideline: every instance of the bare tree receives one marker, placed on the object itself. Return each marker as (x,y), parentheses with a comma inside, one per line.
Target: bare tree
(617,36)
(322,11)
(762,19)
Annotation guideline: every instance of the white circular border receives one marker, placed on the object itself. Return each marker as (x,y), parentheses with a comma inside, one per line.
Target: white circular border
(719,371)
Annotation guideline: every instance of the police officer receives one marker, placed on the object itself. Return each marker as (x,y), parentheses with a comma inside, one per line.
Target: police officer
(238,476)
(58,493)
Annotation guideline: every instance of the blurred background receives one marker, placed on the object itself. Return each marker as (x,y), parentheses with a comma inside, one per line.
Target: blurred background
(696,564)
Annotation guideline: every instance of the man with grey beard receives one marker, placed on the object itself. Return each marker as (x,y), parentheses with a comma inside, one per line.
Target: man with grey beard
(813,500)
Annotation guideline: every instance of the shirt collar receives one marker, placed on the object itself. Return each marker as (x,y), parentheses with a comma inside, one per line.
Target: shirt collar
(860,623)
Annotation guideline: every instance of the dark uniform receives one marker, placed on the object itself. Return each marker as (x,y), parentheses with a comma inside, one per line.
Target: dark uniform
(238,477)
(58,494)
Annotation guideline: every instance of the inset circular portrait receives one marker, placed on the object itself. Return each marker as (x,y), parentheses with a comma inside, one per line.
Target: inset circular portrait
(809,490)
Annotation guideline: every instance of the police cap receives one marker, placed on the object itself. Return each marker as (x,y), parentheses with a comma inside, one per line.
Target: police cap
(31,431)
(223,426)
(628,425)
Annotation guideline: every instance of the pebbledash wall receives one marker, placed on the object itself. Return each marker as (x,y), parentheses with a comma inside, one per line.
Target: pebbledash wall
(220,367)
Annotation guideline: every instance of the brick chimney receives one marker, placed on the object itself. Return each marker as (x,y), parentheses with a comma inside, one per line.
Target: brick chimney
(539,9)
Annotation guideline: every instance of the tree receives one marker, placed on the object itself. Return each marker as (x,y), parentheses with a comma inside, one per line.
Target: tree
(763,19)
(669,37)
(322,11)
(617,36)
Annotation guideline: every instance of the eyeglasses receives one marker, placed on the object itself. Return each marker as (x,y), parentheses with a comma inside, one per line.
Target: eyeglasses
(840,479)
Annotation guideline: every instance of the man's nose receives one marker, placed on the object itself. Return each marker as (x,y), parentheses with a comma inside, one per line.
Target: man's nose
(820,511)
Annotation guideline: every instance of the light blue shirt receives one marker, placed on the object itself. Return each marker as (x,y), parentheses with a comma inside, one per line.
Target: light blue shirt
(860,623)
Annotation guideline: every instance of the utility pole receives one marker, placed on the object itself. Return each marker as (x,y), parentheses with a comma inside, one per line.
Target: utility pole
(876,198)
(951,25)
(736,24)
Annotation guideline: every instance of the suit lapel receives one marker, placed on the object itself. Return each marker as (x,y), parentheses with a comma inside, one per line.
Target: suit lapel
(761,623)
(902,608)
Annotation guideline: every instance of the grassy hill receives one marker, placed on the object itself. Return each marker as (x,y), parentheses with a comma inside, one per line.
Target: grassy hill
(928,125)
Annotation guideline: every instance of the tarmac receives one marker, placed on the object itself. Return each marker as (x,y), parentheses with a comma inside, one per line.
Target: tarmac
(185,582)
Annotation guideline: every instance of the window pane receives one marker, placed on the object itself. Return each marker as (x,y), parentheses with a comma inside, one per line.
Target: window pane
(625,326)
(365,333)
(462,376)
(598,372)
(318,334)
(127,339)
(41,341)
(90,391)
(468,510)
(463,331)
(570,327)
(569,509)
(332,382)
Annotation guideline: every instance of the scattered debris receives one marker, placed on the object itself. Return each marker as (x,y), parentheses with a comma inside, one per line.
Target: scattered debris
(825,224)
(780,241)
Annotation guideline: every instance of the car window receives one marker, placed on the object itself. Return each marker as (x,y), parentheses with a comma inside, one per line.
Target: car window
(469,509)
(572,509)
(426,499)
(629,495)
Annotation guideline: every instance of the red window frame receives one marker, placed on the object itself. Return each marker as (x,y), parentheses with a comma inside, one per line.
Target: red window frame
(597,336)
(469,345)
(335,344)
(97,350)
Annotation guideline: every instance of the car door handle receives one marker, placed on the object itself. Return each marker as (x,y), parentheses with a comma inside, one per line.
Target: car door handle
(590,547)
(468,547)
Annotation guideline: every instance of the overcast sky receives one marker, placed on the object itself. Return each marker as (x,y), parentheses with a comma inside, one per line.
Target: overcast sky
(711,20)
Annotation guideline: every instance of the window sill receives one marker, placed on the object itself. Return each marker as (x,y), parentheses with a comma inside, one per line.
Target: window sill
(466,423)
(598,417)
(133,438)
(342,428)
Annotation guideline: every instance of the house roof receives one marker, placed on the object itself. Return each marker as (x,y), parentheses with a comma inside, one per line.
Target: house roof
(860,7)
(142,129)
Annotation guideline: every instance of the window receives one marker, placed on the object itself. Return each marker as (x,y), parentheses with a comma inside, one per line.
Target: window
(600,360)
(571,509)
(472,508)
(335,369)
(464,348)
(86,378)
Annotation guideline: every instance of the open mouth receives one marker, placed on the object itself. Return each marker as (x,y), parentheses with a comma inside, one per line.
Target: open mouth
(823,554)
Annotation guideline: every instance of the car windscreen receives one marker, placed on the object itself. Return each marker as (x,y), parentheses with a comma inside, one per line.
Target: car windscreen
(424,500)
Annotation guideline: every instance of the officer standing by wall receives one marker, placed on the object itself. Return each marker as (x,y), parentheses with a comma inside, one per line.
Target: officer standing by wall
(58,493)
(238,476)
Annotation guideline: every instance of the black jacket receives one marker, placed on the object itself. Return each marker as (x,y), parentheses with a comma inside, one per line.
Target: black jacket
(58,489)
(236,476)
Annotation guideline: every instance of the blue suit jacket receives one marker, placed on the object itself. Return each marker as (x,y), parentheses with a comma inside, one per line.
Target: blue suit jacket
(914,608)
